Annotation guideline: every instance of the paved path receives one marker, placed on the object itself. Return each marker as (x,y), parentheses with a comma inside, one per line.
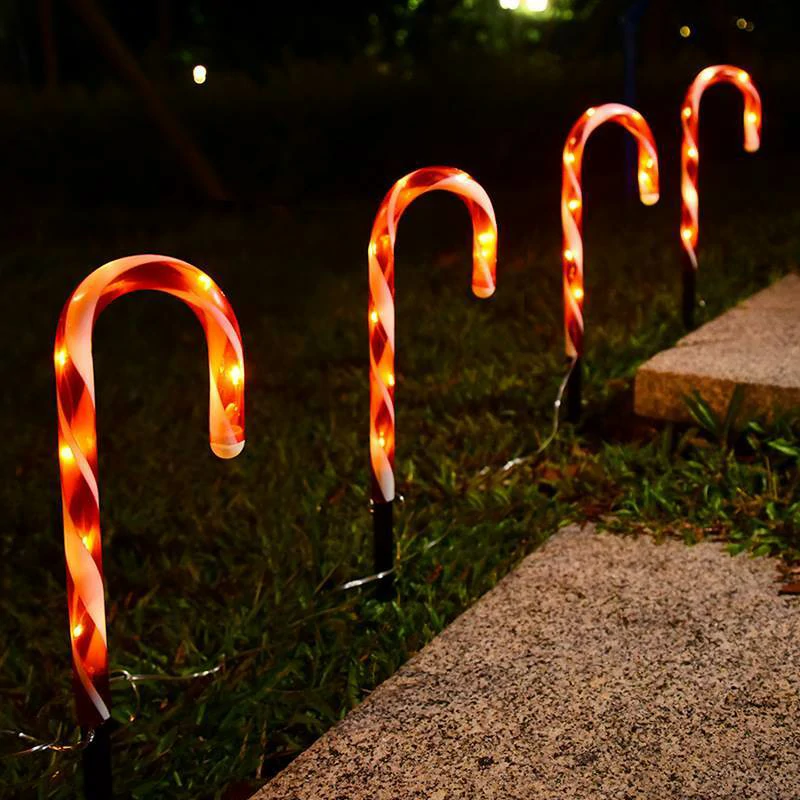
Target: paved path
(603,667)
(756,345)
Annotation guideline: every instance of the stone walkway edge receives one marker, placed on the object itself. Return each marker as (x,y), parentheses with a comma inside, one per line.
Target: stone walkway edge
(755,345)
(604,666)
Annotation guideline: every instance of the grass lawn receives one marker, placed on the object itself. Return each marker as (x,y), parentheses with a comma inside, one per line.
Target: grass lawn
(210,561)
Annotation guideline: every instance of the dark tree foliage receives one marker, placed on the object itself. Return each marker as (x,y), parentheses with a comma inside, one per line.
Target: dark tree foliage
(253,36)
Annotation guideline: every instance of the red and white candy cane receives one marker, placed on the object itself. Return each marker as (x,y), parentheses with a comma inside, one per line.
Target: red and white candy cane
(77,438)
(381,318)
(690,159)
(572,203)
(572,218)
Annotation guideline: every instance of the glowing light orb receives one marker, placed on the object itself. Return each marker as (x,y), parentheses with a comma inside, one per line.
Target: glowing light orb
(199,74)
(531,6)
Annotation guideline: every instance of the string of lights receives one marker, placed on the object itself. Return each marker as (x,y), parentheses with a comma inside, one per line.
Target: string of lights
(360,583)
(35,745)
(87,737)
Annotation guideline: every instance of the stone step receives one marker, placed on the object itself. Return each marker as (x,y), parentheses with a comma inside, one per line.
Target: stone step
(755,345)
(602,667)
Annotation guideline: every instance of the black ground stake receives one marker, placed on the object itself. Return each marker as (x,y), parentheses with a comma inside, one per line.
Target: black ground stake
(383,543)
(689,292)
(575,391)
(97,764)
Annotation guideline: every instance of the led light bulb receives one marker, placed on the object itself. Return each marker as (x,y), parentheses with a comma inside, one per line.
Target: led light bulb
(235,374)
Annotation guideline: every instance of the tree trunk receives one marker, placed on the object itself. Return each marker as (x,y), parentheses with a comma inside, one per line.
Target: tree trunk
(164,33)
(48,40)
(196,164)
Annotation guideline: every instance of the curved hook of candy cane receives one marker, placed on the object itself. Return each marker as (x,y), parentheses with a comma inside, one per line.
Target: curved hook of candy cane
(77,437)
(381,297)
(572,203)
(690,149)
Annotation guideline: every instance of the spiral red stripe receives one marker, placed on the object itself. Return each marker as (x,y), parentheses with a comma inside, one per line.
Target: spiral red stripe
(381,298)
(690,151)
(572,203)
(77,438)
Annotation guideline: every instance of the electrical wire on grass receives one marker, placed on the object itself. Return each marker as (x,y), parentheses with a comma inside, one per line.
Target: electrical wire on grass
(42,746)
(134,681)
(358,583)
(118,676)
(39,746)
(515,462)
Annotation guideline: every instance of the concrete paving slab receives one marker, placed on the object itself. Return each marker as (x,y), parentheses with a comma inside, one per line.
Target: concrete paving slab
(602,667)
(755,345)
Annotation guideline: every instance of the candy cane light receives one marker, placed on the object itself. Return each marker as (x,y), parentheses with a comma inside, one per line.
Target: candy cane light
(572,220)
(381,320)
(77,439)
(690,161)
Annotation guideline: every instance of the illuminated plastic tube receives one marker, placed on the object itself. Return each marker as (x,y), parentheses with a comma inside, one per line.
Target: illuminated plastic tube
(690,161)
(381,320)
(572,219)
(77,438)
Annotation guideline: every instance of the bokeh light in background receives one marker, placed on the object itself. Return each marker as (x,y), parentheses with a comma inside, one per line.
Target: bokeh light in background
(199,74)
(533,6)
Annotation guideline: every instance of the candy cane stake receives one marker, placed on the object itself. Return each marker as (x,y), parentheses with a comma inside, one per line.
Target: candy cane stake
(690,161)
(381,328)
(77,452)
(572,222)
